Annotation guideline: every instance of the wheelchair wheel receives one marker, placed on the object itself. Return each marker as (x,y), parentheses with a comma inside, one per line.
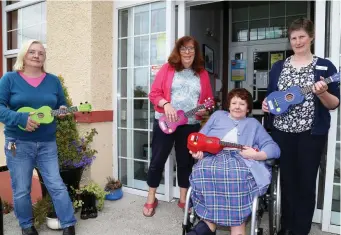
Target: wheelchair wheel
(275,202)
(192,220)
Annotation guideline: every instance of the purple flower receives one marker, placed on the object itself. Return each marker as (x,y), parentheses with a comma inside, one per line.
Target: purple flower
(83,163)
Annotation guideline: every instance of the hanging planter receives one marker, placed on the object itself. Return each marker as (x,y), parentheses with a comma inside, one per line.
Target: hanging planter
(114,189)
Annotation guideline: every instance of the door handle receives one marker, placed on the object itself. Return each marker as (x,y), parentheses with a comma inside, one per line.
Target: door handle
(256,90)
(254,85)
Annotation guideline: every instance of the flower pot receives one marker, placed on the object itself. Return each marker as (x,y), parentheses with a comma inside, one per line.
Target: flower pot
(70,177)
(114,194)
(53,222)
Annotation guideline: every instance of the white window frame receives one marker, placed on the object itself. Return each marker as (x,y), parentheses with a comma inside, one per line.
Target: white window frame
(5,9)
(334,48)
(170,28)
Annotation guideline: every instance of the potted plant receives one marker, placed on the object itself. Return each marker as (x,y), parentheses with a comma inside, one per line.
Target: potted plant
(74,152)
(114,189)
(90,198)
(139,92)
(41,210)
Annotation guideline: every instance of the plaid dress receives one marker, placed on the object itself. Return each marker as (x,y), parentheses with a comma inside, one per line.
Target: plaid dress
(223,189)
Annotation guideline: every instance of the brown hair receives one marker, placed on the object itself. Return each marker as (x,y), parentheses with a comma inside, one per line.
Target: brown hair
(175,60)
(302,23)
(243,94)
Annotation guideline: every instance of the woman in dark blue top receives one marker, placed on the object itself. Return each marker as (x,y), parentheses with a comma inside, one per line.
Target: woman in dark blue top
(302,131)
(30,86)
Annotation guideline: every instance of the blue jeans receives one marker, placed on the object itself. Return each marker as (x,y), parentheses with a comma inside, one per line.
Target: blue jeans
(42,155)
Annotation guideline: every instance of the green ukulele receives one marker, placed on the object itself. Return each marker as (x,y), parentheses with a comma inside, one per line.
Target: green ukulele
(45,115)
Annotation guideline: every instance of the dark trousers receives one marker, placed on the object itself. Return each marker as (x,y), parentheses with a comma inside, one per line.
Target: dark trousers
(299,162)
(162,145)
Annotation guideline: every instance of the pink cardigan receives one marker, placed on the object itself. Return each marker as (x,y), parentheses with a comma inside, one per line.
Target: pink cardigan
(162,85)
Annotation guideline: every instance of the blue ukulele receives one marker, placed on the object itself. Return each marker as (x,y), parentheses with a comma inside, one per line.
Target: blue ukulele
(279,101)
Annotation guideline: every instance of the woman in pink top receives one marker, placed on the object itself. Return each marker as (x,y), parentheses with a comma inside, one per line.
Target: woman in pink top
(181,84)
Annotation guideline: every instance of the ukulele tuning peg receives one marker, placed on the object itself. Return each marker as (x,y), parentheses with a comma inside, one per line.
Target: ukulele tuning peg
(82,112)
(86,102)
(81,103)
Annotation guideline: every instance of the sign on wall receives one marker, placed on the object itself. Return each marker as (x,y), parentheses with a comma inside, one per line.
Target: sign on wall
(238,70)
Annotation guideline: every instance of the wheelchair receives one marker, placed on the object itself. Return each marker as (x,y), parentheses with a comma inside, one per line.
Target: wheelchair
(270,202)
(2,169)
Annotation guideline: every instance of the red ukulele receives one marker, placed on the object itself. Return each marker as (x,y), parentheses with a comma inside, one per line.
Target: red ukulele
(200,142)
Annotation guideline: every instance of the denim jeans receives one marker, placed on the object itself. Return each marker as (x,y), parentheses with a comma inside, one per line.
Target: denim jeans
(42,155)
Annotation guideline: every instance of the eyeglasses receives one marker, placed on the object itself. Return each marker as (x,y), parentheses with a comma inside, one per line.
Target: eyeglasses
(187,49)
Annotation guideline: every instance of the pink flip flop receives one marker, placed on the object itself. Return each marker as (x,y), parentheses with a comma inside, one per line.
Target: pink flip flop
(151,206)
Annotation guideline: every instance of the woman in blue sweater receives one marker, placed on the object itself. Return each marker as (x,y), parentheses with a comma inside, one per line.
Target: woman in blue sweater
(224,185)
(30,86)
(302,131)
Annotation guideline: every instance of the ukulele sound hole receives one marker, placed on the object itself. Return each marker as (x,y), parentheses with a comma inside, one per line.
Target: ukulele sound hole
(40,115)
(289,97)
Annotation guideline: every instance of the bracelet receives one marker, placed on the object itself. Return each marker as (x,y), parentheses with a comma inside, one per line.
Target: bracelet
(165,104)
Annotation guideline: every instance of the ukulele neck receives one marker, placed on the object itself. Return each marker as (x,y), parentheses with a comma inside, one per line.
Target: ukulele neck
(58,112)
(230,145)
(307,89)
(193,111)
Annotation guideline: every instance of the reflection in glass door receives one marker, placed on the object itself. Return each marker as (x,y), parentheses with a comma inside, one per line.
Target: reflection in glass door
(141,49)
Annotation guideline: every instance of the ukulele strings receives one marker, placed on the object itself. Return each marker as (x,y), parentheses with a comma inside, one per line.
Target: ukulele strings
(187,114)
(304,91)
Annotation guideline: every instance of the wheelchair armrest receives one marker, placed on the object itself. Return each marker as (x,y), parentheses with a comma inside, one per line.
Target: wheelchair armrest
(271,162)
(3,168)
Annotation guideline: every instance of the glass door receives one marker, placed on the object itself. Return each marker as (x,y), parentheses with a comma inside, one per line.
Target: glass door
(261,58)
(145,37)
(249,68)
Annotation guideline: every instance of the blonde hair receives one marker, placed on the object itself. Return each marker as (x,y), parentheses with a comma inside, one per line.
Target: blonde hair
(19,63)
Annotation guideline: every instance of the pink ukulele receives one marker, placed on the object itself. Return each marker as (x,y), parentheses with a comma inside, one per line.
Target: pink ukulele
(169,127)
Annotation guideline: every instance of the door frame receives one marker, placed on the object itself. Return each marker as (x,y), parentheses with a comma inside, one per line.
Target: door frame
(248,53)
(335,52)
(170,35)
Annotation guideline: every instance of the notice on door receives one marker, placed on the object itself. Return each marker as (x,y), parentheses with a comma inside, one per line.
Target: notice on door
(276,57)
(238,70)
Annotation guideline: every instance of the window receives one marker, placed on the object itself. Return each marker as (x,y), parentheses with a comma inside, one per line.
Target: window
(24,20)
(264,20)
(141,49)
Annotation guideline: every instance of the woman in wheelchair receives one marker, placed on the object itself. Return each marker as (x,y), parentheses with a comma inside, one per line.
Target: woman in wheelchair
(224,185)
